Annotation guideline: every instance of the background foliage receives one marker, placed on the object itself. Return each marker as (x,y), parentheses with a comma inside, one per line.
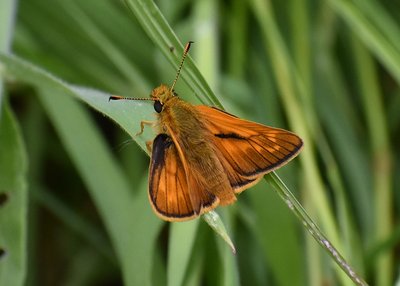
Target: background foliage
(328,70)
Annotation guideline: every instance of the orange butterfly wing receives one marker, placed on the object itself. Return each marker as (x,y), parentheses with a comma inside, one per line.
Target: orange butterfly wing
(169,194)
(246,149)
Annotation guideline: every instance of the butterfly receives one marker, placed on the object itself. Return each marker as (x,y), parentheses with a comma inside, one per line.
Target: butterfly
(203,156)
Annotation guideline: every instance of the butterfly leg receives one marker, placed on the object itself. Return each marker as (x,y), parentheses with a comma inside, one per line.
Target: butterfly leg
(149,145)
(142,124)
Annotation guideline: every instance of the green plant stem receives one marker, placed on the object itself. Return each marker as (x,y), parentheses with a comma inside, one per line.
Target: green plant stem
(313,229)
(290,84)
(381,156)
(380,45)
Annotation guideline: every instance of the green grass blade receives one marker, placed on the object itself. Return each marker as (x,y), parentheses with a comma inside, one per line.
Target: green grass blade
(313,229)
(381,46)
(290,85)
(7,14)
(181,242)
(284,71)
(128,219)
(140,84)
(277,232)
(13,202)
(237,39)
(215,222)
(155,25)
(231,273)
(342,151)
(381,155)
(73,221)
(13,168)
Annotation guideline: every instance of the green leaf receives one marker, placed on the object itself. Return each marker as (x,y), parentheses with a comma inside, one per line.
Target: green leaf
(158,29)
(130,223)
(215,222)
(180,247)
(383,44)
(13,202)
(278,237)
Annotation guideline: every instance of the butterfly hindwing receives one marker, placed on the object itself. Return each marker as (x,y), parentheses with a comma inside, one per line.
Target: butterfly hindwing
(248,150)
(170,196)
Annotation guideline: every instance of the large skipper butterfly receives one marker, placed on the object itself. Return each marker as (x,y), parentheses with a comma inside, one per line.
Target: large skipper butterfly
(203,156)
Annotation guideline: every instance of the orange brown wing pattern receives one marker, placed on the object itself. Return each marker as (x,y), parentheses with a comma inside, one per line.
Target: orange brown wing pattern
(169,194)
(246,149)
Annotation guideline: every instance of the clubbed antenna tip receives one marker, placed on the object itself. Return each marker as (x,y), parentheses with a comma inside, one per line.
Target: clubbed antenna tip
(185,52)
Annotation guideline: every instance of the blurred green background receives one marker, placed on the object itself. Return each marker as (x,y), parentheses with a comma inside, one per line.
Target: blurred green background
(73,190)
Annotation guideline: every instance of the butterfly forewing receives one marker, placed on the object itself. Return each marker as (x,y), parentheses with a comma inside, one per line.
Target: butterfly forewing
(248,150)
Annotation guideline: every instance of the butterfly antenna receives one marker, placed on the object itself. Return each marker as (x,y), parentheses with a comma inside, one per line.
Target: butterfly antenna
(117,97)
(185,52)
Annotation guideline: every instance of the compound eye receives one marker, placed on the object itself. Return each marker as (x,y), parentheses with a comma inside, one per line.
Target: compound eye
(158,106)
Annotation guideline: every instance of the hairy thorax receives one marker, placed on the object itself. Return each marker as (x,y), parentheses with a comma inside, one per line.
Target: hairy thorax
(182,122)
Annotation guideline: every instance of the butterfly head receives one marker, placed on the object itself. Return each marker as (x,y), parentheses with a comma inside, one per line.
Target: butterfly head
(161,95)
